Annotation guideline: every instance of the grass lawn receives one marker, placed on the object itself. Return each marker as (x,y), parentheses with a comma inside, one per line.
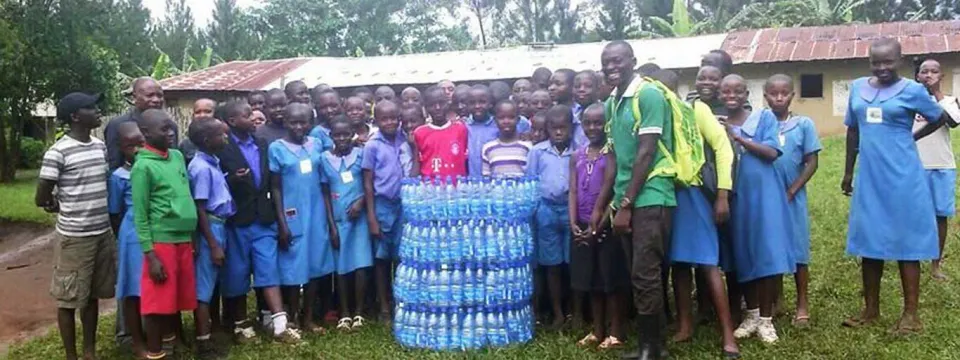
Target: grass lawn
(16,200)
(834,294)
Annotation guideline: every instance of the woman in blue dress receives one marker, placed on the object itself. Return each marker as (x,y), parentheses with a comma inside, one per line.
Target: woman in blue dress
(892,215)
(759,213)
(800,145)
(303,233)
(351,238)
(130,256)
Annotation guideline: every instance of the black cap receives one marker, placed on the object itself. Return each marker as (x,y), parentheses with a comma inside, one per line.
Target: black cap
(75,101)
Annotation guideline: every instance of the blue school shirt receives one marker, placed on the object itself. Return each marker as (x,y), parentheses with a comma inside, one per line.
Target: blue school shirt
(579,136)
(207,182)
(119,192)
(383,158)
(345,176)
(323,134)
(891,214)
(481,132)
(251,153)
(553,168)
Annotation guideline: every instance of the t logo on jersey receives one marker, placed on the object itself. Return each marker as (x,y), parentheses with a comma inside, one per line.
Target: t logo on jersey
(435,164)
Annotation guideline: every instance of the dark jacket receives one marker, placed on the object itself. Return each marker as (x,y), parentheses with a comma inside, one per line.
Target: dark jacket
(253,204)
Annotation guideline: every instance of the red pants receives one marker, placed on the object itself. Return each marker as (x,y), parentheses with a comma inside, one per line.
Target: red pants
(179,291)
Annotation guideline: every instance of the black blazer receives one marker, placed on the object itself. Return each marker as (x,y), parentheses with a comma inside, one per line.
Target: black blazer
(253,204)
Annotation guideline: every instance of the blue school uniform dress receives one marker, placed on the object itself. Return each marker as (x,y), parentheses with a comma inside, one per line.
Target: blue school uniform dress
(762,230)
(323,134)
(130,256)
(694,239)
(345,177)
(309,255)
(552,216)
(798,138)
(208,183)
(891,215)
(384,158)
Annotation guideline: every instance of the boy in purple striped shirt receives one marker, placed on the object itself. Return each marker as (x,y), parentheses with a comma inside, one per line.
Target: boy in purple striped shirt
(507,155)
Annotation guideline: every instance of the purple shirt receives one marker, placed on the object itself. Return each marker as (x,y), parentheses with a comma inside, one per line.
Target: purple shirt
(251,152)
(383,158)
(589,182)
(208,183)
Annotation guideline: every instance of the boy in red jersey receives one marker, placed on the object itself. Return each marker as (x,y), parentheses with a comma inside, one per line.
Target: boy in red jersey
(441,145)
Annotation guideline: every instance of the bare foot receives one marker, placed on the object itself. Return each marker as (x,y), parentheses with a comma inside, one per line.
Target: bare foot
(730,350)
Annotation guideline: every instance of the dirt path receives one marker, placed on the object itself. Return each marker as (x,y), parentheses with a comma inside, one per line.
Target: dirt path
(26,260)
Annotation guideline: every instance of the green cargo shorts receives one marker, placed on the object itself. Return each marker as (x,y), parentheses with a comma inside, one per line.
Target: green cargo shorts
(84,268)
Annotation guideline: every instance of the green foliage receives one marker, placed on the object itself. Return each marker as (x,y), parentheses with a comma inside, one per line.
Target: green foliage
(31,152)
(614,19)
(531,21)
(789,13)
(681,24)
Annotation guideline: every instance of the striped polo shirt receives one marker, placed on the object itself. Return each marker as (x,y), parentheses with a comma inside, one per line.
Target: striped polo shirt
(80,172)
(500,158)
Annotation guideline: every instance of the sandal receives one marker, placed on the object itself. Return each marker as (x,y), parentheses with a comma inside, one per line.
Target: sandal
(315,329)
(345,324)
(856,322)
(588,340)
(899,329)
(358,322)
(611,342)
(801,321)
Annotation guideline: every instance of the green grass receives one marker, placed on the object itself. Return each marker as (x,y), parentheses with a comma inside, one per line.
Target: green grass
(16,200)
(834,293)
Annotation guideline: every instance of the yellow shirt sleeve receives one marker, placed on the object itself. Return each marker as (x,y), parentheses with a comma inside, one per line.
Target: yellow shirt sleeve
(716,136)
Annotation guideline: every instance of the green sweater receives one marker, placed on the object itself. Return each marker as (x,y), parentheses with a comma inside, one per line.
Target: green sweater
(163,209)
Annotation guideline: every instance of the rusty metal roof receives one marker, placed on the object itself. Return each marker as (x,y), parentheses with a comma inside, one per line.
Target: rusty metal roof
(839,42)
(234,76)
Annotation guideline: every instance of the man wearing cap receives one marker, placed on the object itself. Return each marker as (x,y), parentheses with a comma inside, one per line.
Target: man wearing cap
(84,249)
(147,94)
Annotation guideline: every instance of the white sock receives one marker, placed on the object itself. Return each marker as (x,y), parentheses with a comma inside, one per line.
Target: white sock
(279,323)
(766,320)
(203,337)
(753,313)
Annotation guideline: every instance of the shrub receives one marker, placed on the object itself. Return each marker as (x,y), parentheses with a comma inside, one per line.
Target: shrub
(31,152)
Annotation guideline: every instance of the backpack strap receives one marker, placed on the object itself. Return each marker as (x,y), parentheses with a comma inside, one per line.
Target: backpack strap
(667,156)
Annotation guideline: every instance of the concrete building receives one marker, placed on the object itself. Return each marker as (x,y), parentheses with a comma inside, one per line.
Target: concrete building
(822,60)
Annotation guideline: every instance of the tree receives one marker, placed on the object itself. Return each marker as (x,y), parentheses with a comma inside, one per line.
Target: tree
(795,13)
(681,24)
(530,21)
(126,27)
(225,32)
(481,9)
(615,19)
(48,48)
(176,34)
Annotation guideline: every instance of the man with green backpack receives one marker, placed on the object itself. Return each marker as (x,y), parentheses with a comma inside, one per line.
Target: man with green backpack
(656,145)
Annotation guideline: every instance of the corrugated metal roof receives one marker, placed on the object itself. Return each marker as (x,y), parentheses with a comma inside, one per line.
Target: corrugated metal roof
(234,76)
(840,42)
(505,63)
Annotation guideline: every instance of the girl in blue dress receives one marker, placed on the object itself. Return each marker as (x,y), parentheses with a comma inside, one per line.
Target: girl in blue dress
(303,234)
(351,238)
(892,215)
(800,144)
(130,256)
(759,213)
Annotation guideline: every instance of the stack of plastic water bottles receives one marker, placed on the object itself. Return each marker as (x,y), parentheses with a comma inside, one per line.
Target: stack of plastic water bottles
(465,278)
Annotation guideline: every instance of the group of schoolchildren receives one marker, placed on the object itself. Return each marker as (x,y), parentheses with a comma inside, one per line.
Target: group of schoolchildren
(294,188)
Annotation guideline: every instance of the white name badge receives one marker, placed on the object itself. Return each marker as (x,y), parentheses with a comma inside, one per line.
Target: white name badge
(783,140)
(346,177)
(306,166)
(874,115)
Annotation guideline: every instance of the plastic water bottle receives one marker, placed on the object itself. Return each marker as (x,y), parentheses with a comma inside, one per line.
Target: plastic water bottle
(443,244)
(443,331)
(490,287)
(450,196)
(480,332)
(456,287)
(490,248)
(469,285)
(444,287)
(468,338)
(479,287)
(456,332)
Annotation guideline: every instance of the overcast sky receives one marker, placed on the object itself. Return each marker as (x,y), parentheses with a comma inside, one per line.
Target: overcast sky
(202,9)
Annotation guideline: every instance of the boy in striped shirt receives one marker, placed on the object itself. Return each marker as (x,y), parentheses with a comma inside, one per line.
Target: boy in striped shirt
(85,249)
(507,155)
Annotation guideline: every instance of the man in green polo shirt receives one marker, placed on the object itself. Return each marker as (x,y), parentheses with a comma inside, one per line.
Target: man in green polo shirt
(642,203)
